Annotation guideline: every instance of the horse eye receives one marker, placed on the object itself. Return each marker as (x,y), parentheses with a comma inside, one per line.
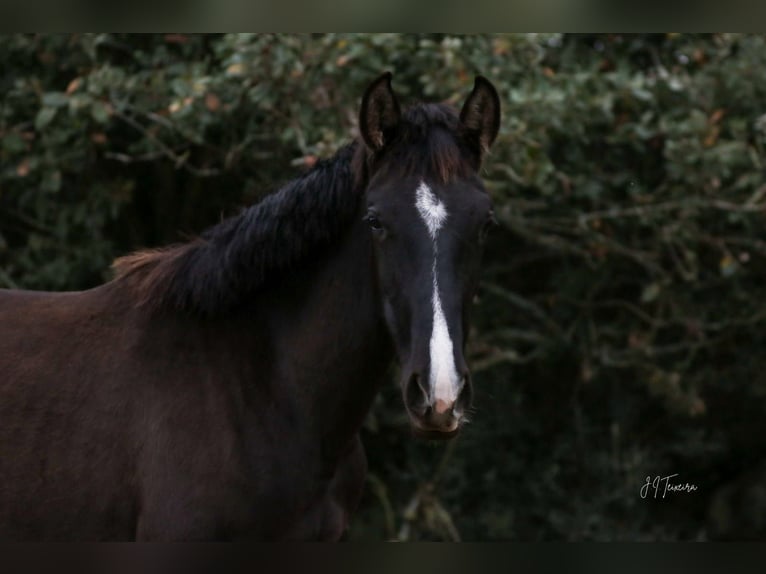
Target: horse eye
(488,225)
(374,222)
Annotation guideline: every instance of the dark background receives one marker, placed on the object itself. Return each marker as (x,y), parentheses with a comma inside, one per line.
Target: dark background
(620,329)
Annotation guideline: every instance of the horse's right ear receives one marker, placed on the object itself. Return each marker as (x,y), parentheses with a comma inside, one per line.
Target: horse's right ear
(380,113)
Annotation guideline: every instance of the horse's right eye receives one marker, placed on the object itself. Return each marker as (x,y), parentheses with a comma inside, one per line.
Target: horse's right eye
(374,222)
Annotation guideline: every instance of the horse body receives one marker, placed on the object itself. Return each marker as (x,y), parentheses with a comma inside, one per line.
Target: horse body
(53,437)
(168,427)
(216,389)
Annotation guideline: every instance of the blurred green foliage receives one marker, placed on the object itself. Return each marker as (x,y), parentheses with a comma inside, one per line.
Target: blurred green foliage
(620,329)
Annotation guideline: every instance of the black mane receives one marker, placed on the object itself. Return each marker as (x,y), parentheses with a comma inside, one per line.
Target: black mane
(237,256)
(233,259)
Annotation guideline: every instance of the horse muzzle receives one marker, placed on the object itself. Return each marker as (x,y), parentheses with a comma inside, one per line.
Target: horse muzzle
(436,419)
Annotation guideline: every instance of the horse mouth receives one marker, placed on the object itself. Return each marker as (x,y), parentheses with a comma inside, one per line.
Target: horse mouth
(426,433)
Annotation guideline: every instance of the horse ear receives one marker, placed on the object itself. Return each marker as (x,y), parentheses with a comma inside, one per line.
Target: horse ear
(380,112)
(480,116)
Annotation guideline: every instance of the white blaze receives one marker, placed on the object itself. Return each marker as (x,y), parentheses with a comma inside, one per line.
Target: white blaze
(443,378)
(432,210)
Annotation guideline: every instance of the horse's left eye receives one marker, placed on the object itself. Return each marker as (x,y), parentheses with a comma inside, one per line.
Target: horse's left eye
(488,225)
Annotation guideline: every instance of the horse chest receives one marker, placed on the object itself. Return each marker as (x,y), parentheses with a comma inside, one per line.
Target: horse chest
(313,496)
(332,497)
(269,491)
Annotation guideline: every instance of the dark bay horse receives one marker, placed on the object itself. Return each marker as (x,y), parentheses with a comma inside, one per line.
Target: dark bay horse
(215,390)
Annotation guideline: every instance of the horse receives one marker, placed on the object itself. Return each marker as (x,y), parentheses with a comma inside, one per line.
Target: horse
(215,389)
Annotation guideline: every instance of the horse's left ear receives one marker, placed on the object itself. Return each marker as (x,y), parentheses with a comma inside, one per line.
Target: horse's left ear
(480,116)
(380,113)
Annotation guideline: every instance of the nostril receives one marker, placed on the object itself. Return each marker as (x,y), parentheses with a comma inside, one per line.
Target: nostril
(465,394)
(415,395)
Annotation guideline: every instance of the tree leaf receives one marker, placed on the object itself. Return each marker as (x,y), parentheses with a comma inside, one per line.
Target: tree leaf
(44,117)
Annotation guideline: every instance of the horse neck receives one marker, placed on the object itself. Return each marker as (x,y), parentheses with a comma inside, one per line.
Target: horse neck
(331,344)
